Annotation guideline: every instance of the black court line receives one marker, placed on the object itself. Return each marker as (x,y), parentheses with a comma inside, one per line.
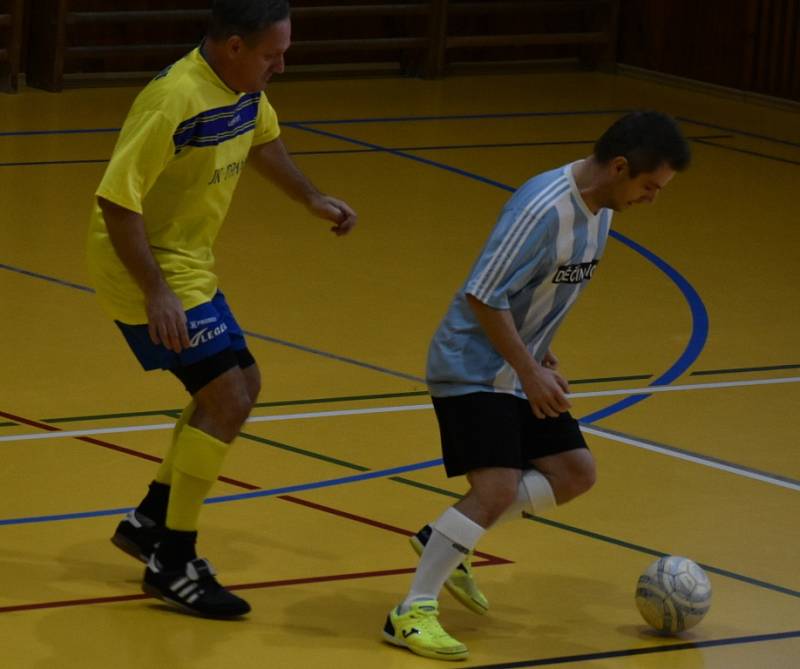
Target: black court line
(630,652)
(443,117)
(388,149)
(249,333)
(743,133)
(738,370)
(748,152)
(38,163)
(335,356)
(44,277)
(70,131)
(659,554)
(394,119)
(462,117)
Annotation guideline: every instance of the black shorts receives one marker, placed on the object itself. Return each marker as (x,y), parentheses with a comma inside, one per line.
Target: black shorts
(499,430)
(197,376)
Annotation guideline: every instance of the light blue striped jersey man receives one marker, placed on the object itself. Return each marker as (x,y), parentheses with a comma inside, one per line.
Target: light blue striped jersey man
(542,251)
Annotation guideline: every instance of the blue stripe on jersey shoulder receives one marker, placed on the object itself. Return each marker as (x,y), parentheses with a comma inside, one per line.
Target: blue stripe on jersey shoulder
(218,125)
(163,72)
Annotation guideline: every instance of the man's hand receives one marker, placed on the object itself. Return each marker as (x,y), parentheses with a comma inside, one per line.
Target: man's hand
(550,361)
(335,210)
(166,320)
(546,390)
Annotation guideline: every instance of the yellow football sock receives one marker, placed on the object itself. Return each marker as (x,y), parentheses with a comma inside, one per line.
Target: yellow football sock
(164,473)
(197,463)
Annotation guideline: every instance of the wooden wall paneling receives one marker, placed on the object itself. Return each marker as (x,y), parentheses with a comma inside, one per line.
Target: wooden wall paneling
(46,44)
(11,36)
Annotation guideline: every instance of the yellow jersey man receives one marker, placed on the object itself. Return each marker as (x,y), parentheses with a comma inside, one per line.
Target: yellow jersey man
(158,210)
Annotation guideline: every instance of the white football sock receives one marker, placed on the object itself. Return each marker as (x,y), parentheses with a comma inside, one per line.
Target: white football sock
(453,536)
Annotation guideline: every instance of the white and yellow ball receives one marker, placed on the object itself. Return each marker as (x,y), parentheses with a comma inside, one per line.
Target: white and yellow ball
(673,594)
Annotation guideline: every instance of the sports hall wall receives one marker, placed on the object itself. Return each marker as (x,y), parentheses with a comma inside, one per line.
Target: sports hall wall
(750,45)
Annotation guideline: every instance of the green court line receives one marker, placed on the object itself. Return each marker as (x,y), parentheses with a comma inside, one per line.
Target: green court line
(173,413)
(303,451)
(738,370)
(610,379)
(544,521)
(425,486)
(176,412)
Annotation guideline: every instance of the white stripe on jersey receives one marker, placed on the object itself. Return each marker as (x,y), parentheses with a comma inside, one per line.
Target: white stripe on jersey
(505,255)
(544,298)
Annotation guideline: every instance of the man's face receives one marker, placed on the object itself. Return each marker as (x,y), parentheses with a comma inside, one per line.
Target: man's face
(642,189)
(255,60)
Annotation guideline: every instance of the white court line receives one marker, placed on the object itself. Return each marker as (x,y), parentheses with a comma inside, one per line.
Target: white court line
(741,471)
(377,410)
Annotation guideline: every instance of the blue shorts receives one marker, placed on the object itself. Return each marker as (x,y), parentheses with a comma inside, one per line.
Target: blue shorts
(212,329)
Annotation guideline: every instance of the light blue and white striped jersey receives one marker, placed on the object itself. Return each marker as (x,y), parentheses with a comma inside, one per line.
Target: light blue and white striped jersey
(545,246)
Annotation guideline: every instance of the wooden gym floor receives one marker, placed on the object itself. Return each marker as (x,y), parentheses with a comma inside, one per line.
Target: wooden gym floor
(340,463)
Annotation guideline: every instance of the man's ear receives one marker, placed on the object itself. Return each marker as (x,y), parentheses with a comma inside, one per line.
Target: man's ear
(618,166)
(234,46)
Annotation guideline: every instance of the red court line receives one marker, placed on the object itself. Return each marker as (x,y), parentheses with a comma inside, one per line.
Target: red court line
(114,447)
(493,559)
(490,559)
(243,586)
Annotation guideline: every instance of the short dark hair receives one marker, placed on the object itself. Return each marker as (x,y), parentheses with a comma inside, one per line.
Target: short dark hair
(244,17)
(646,139)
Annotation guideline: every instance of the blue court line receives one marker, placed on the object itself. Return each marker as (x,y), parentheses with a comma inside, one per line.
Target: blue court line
(285,490)
(699,313)
(693,348)
(385,473)
(401,154)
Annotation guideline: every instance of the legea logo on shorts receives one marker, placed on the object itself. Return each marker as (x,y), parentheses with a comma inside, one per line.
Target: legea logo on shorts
(206,335)
(575,273)
(193,325)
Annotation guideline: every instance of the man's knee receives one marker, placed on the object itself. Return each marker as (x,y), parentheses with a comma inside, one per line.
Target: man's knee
(580,476)
(224,405)
(494,489)
(252,377)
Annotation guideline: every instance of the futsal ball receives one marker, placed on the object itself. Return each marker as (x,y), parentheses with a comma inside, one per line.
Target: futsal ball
(673,594)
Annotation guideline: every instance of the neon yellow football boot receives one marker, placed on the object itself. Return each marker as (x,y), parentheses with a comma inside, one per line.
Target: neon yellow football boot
(419,630)
(461,583)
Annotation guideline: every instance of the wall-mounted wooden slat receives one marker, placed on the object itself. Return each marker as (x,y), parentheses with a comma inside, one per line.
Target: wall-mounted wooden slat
(165,15)
(526,40)
(11,50)
(81,38)
(516,7)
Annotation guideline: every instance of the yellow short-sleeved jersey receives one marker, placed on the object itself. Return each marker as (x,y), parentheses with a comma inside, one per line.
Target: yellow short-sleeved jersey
(177,162)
